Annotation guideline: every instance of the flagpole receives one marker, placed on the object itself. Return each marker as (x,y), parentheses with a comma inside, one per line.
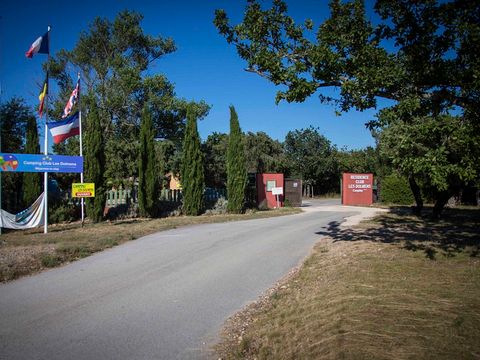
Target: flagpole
(45,151)
(81,145)
(1,173)
(1,213)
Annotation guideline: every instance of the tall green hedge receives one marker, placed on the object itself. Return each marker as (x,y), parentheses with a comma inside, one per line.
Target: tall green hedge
(236,167)
(192,172)
(394,189)
(147,179)
(95,163)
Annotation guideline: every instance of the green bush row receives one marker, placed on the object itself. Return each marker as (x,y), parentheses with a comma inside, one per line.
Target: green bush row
(394,189)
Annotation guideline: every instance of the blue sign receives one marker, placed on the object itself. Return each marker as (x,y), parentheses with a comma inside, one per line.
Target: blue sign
(41,163)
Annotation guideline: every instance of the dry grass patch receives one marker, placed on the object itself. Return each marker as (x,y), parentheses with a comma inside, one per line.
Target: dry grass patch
(377,295)
(26,252)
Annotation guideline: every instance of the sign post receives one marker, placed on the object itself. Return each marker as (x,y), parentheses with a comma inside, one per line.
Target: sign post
(41,163)
(277,191)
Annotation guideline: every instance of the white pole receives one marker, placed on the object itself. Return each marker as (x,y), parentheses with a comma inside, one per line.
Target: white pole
(45,178)
(45,174)
(81,145)
(0,171)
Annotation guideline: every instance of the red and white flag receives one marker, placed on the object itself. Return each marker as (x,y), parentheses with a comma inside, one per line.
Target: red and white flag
(72,100)
(63,129)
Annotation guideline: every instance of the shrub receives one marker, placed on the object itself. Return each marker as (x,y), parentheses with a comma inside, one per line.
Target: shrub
(263,206)
(219,208)
(49,260)
(396,190)
(63,212)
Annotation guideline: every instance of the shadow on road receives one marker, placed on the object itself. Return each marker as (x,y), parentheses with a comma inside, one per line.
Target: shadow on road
(458,231)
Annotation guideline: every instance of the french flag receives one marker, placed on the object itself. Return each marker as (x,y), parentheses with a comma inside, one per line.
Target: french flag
(63,129)
(39,46)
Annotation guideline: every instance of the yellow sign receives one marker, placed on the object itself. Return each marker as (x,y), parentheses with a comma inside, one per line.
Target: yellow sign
(83,190)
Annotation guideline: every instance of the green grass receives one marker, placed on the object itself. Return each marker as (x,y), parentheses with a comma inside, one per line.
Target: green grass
(26,252)
(379,295)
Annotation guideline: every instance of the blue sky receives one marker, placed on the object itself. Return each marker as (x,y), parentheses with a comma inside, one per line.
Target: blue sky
(204,67)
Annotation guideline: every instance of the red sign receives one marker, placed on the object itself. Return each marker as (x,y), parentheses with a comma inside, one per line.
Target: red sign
(357,189)
(84,194)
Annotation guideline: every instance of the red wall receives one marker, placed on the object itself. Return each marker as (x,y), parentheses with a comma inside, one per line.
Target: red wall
(357,189)
(262,192)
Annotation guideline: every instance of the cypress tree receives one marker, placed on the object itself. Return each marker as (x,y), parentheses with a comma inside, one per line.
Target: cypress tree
(32,182)
(192,172)
(236,168)
(147,179)
(94,157)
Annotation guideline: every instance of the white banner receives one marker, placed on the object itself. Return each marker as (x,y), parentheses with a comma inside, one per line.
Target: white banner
(26,219)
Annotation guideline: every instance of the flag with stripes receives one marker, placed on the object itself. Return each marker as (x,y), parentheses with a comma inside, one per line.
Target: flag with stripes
(72,100)
(42,96)
(39,46)
(63,129)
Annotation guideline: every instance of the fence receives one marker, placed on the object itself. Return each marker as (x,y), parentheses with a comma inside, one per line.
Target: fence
(128,196)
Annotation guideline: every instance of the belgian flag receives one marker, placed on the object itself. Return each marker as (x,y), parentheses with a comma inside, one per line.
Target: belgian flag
(42,97)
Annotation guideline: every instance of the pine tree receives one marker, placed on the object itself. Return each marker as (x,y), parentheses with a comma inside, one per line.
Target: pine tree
(236,168)
(192,172)
(147,179)
(32,182)
(95,163)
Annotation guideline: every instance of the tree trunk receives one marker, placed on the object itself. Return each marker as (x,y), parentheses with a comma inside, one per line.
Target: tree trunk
(416,194)
(440,203)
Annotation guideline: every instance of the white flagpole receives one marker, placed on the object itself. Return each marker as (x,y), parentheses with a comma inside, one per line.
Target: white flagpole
(81,145)
(45,174)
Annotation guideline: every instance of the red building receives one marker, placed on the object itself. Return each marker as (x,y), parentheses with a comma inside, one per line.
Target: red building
(265,184)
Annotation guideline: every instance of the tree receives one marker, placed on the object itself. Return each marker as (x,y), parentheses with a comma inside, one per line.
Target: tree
(439,155)
(366,160)
(168,158)
(14,116)
(263,154)
(424,49)
(147,178)
(192,173)
(114,59)
(311,156)
(236,170)
(215,151)
(32,182)
(95,162)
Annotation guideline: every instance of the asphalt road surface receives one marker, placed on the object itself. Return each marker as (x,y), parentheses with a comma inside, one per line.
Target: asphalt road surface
(164,296)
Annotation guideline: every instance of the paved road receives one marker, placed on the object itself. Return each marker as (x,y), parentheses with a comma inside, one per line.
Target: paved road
(160,297)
